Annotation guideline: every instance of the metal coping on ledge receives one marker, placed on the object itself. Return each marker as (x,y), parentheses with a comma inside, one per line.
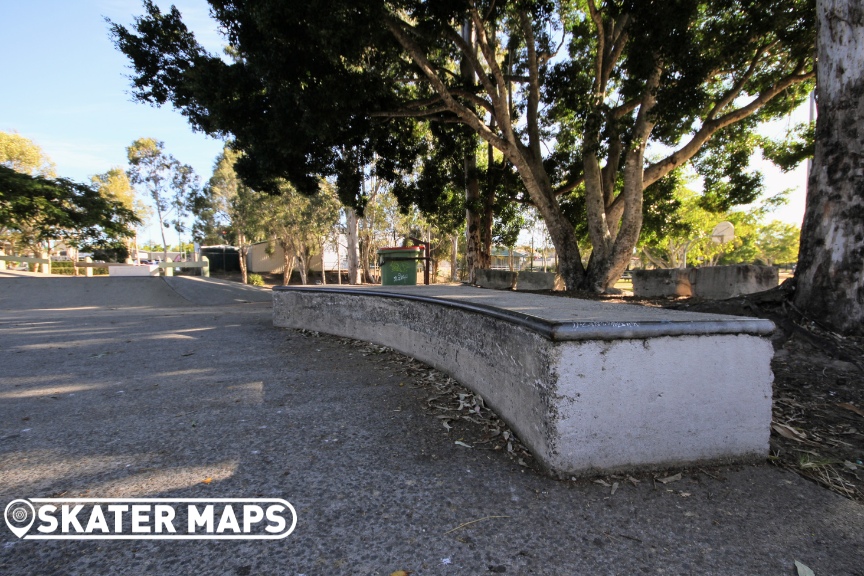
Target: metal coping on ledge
(563,331)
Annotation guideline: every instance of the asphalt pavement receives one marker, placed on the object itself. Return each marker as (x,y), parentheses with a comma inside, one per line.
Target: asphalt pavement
(142,387)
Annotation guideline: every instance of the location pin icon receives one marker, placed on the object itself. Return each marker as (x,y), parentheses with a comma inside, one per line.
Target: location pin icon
(19,515)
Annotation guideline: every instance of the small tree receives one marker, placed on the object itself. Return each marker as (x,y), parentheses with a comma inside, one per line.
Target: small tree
(114,185)
(170,184)
(299,224)
(233,205)
(778,243)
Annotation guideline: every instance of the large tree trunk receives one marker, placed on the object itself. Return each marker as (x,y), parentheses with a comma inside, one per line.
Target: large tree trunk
(830,272)
(473,209)
(473,218)
(561,231)
(485,256)
(454,258)
(353,246)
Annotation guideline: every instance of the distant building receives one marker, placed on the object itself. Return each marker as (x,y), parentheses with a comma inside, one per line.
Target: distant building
(269,258)
(503,258)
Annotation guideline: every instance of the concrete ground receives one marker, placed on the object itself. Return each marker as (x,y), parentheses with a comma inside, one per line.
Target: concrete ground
(140,388)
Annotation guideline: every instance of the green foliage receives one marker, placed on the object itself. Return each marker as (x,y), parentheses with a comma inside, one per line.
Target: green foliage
(723,165)
(797,146)
(508,224)
(255,280)
(299,223)
(328,87)
(115,185)
(320,70)
(66,269)
(170,185)
(22,155)
(39,209)
(754,242)
(226,209)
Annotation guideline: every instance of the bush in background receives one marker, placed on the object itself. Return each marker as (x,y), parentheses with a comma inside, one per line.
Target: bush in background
(255,280)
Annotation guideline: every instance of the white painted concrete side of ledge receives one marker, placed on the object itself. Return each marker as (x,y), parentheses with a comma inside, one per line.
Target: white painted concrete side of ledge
(668,400)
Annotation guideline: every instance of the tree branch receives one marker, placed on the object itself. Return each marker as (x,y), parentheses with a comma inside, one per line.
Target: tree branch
(569,186)
(478,100)
(411,113)
(489,55)
(733,92)
(597,18)
(659,169)
(533,120)
(625,108)
(463,112)
(469,53)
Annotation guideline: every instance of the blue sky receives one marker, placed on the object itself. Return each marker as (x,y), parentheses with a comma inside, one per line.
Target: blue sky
(64,86)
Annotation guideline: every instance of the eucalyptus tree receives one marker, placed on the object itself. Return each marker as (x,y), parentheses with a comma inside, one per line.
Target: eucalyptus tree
(169,184)
(597,98)
(233,206)
(830,272)
(300,224)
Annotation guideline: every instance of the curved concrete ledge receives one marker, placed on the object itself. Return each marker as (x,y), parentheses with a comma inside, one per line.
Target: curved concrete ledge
(587,386)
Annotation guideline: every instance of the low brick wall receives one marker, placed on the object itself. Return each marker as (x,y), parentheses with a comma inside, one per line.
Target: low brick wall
(730,281)
(716,282)
(663,282)
(495,279)
(524,280)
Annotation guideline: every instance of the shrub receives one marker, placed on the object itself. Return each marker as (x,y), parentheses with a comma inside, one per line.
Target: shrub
(255,280)
(65,268)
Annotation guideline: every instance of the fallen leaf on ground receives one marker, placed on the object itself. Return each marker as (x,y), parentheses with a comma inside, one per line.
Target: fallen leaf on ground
(803,570)
(401,573)
(788,432)
(602,483)
(207,480)
(460,443)
(668,479)
(851,408)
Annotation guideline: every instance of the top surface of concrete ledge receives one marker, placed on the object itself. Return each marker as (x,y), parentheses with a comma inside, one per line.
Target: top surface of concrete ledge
(561,318)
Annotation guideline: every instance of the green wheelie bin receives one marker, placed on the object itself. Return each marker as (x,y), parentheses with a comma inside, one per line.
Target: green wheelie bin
(399,265)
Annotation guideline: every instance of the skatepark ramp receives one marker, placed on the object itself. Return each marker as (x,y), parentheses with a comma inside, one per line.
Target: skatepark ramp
(32,292)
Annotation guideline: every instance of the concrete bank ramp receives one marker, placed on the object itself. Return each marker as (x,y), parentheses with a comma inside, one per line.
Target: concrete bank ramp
(212,292)
(65,292)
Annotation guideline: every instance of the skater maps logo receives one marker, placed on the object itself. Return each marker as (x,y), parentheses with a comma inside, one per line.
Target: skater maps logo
(150,518)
